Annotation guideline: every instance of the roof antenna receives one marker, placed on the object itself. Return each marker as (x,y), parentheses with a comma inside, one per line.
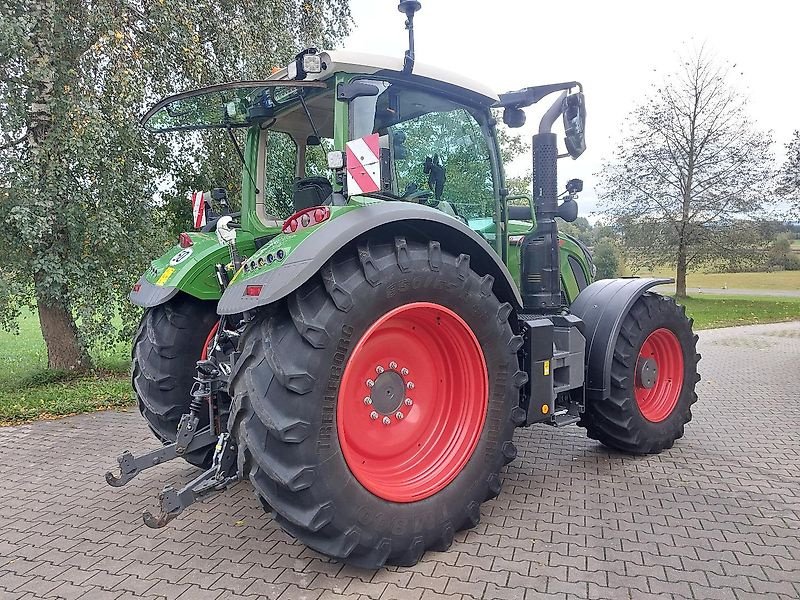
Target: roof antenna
(409,7)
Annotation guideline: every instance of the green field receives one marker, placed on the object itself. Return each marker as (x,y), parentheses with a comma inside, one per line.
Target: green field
(29,391)
(779,280)
(727,311)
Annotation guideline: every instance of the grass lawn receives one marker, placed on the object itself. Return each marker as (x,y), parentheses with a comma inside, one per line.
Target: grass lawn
(779,280)
(29,391)
(727,311)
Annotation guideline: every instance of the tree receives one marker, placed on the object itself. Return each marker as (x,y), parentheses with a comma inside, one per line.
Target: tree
(606,259)
(580,228)
(77,178)
(690,174)
(789,177)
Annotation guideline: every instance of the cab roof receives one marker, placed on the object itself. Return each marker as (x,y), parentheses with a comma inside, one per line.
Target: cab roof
(343,61)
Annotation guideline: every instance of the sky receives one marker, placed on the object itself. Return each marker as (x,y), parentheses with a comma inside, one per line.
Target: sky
(616,48)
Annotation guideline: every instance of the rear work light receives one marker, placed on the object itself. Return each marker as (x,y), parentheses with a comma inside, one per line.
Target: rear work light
(308,217)
(184,241)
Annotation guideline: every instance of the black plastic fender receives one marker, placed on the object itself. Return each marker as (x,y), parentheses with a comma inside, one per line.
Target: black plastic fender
(147,295)
(386,219)
(602,306)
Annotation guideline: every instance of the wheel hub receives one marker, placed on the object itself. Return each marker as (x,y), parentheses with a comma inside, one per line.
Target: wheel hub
(388,392)
(646,373)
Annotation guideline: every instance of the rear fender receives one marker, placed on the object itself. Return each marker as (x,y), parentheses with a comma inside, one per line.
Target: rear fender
(189,270)
(602,307)
(305,252)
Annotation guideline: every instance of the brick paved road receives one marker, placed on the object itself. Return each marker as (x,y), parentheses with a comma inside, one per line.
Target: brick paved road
(718,516)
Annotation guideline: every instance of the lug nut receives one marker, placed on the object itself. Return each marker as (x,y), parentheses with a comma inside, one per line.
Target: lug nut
(379,369)
(370,383)
(373,415)
(399,416)
(408,402)
(403,371)
(392,365)
(367,400)
(386,420)
(410,385)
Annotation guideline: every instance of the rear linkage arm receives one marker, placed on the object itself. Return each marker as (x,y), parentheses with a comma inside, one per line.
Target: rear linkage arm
(188,437)
(223,473)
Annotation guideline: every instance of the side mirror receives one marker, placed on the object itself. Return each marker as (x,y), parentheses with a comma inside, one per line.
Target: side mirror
(513,117)
(574,111)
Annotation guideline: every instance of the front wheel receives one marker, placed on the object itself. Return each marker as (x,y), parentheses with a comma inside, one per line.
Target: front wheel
(653,377)
(375,407)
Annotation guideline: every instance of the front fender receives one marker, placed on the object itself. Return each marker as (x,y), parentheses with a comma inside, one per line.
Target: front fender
(307,251)
(189,270)
(602,306)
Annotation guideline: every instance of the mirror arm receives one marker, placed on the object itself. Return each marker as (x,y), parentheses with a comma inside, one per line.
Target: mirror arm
(551,116)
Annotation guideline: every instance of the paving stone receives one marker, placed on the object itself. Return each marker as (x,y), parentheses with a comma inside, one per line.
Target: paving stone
(714,517)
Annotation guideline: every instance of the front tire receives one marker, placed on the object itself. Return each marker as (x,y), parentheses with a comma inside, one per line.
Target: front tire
(323,375)
(653,377)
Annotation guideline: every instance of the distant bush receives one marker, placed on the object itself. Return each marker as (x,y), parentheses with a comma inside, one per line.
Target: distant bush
(781,257)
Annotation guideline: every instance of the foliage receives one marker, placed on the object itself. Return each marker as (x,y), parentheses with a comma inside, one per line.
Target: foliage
(606,259)
(581,229)
(686,185)
(789,177)
(77,178)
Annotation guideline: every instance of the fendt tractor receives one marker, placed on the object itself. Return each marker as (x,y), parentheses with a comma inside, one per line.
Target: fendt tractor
(365,360)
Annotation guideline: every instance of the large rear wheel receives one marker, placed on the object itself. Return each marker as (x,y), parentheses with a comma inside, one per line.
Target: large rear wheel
(170,340)
(653,377)
(375,407)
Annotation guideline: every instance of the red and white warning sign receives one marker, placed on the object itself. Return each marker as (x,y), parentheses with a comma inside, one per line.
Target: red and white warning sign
(363,165)
(198,209)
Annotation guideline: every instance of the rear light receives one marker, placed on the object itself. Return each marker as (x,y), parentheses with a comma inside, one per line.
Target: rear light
(184,240)
(137,287)
(308,217)
(253,290)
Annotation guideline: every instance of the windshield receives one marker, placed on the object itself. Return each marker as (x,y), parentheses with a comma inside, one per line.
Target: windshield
(226,105)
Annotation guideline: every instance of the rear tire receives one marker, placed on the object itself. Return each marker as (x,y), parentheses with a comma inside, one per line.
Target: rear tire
(293,413)
(167,346)
(646,418)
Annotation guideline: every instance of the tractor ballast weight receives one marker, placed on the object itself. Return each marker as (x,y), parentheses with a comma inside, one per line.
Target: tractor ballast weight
(365,362)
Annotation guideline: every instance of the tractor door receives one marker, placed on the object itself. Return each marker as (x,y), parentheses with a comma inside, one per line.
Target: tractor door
(438,151)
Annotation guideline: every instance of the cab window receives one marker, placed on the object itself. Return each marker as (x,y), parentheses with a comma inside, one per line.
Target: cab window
(435,149)
(293,172)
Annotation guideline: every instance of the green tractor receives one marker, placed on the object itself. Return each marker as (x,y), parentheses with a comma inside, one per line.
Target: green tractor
(365,360)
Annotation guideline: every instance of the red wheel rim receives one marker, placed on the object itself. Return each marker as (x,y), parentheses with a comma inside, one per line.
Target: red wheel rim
(657,401)
(423,358)
(209,339)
